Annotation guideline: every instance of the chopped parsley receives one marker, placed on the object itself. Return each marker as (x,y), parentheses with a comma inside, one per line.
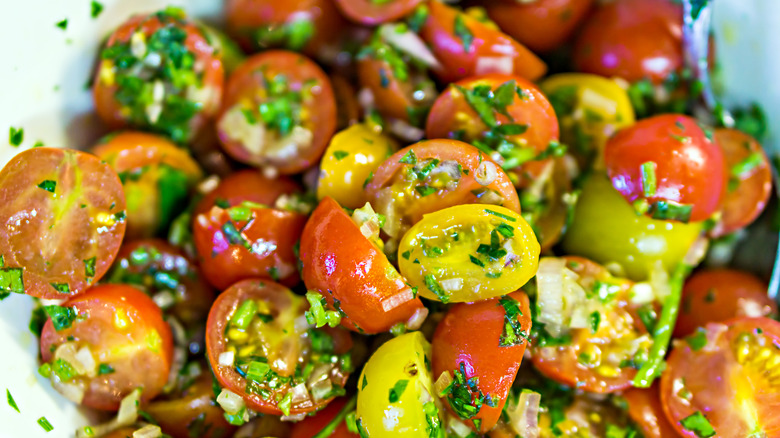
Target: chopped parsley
(435,287)
(11,280)
(595,321)
(293,35)
(365,382)
(425,190)
(89,267)
(463,32)
(104,369)
(418,18)
(409,158)
(15,136)
(48,185)
(465,399)
(97,8)
(697,340)
(698,424)
(397,390)
(513,331)
(62,288)
(61,317)
(11,401)
(339,155)
(62,24)
(745,168)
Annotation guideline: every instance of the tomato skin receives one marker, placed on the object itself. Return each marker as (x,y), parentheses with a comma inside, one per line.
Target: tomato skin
(455,342)
(134,367)
(242,92)
(439,33)
(718,295)
(370,13)
(541,26)
(311,426)
(644,408)
(726,380)
(166,173)
(347,105)
(689,166)
(51,235)
(632,39)
(341,264)
(248,185)
(745,202)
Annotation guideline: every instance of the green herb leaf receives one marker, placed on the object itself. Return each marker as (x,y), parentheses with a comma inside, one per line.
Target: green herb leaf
(698,424)
(698,339)
(649,181)
(11,401)
(463,32)
(670,210)
(97,8)
(62,288)
(409,158)
(501,215)
(595,321)
(61,317)
(339,155)
(15,136)
(745,168)
(48,185)
(63,24)
(424,190)
(397,390)
(476,261)
(435,287)
(104,369)
(11,280)
(89,267)
(513,332)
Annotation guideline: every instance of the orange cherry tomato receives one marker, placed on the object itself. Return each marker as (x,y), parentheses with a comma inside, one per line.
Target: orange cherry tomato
(632,39)
(62,220)
(668,167)
(135,85)
(467,47)
(750,180)
(644,408)
(279,112)
(490,355)
(718,295)
(311,426)
(542,25)
(353,274)
(115,326)
(372,12)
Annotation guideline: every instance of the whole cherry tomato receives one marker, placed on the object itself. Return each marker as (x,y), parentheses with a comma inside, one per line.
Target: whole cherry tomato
(490,356)
(62,219)
(718,295)
(279,112)
(372,12)
(541,25)
(668,167)
(159,72)
(101,345)
(311,426)
(724,381)
(644,408)
(467,47)
(259,345)
(632,39)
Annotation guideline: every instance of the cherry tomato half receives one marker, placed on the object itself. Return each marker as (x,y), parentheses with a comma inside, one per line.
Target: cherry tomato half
(467,47)
(260,326)
(749,183)
(632,39)
(490,356)
(353,274)
(725,382)
(279,112)
(105,343)
(644,408)
(311,426)
(721,294)
(157,177)
(372,12)
(159,72)
(62,219)
(504,115)
(668,167)
(435,174)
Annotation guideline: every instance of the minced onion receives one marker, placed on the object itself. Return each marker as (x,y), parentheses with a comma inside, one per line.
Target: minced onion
(486,173)
(524,417)
(126,416)
(148,431)
(230,402)
(300,393)
(409,43)
(494,64)
(417,318)
(442,382)
(561,300)
(458,427)
(405,131)
(227,358)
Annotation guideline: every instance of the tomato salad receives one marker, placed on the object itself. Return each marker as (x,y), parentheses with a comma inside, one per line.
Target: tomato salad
(379,218)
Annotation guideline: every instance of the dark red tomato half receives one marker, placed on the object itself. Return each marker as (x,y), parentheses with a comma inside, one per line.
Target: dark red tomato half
(261,326)
(247,227)
(299,25)
(311,426)
(467,47)
(349,111)
(167,275)
(62,220)
(484,341)
(159,72)
(373,12)
(668,167)
(353,274)
(632,39)
(279,112)
(542,25)
(750,180)
(105,343)
(645,410)
(727,382)
(718,295)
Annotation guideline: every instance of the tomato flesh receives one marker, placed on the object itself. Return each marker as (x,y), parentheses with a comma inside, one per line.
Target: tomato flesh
(371,13)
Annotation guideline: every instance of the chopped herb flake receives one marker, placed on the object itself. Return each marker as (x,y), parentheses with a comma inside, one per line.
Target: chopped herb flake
(61,317)
(670,210)
(745,168)
(595,321)
(409,158)
(698,424)
(397,390)
(63,24)
(513,332)
(44,423)
(97,8)
(11,280)
(104,369)
(463,32)
(697,340)
(48,185)
(11,401)
(16,136)
(339,155)
(501,215)
(89,267)
(649,181)
(435,287)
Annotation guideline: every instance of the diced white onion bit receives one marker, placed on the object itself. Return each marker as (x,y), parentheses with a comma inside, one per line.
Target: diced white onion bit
(524,417)
(128,408)
(561,299)
(227,358)
(442,382)
(409,43)
(494,64)
(300,393)
(458,427)
(417,318)
(148,431)
(486,173)
(230,402)
(451,284)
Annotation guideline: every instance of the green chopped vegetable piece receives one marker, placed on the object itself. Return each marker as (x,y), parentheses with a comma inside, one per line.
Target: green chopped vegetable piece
(435,287)
(649,181)
(463,32)
(501,215)
(44,423)
(243,316)
(15,136)
(409,158)
(669,210)
(61,317)
(698,339)
(11,280)
(397,390)
(63,370)
(285,404)
(104,369)
(89,267)
(62,288)
(339,155)
(256,371)
(698,424)
(48,185)
(745,168)
(425,190)
(317,315)
(513,332)
(63,24)
(97,8)
(595,321)
(11,401)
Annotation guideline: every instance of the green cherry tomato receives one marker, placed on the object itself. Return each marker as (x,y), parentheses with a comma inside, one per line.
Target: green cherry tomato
(607,229)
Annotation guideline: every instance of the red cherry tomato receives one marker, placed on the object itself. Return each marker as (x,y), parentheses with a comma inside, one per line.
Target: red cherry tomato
(490,355)
(134,85)
(311,426)
(632,39)
(247,228)
(62,219)
(668,164)
(432,175)
(726,382)
(721,294)
(644,408)
(300,25)
(597,360)
(467,47)
(347,105)
(352,273)
(111,340)
(279,112)
(542,25)
(749,183)
(262,323)
(372,12)
(517,126)
(167,275)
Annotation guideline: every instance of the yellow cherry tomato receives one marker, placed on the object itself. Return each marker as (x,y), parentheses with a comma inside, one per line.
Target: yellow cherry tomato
(395,391)
(350,159)
(468,253)
(607,229)
(590,108)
